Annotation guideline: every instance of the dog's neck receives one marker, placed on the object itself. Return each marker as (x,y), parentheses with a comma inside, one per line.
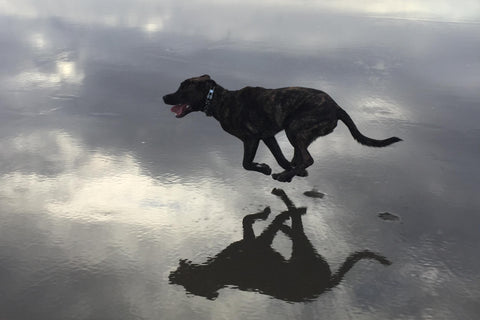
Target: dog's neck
(212,99)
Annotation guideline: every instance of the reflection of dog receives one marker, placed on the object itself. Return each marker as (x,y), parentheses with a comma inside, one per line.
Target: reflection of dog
(254,114)
(252,264)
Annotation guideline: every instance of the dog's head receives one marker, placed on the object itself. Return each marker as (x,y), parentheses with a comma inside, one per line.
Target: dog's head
(190,96)
(196,279)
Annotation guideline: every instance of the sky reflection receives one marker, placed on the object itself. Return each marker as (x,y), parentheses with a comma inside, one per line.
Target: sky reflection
(102,190)
(93,185)
(117,13)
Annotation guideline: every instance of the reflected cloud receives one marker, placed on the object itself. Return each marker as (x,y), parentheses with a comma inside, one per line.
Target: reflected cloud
(57,174)
(65,72)
(153,27)
(251,264)
(377,108)
(38,41)
(277,25)
(443,10)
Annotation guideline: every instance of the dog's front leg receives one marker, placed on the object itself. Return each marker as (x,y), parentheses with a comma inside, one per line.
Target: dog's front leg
(249,150)
(249,219)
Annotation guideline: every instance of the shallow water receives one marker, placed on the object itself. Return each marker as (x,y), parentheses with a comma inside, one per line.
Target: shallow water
(103,191)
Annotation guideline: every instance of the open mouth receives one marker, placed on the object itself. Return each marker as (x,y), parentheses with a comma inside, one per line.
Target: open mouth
(181,110)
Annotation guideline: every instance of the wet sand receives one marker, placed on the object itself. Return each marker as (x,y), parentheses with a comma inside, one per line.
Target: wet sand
(103,191)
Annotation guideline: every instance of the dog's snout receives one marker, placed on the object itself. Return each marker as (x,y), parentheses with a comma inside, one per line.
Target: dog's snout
(168,98)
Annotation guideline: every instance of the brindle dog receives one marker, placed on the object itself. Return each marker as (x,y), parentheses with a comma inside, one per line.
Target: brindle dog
(254,113)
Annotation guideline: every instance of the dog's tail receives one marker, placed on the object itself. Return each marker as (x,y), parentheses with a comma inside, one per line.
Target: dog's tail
(337,277)
(343,115)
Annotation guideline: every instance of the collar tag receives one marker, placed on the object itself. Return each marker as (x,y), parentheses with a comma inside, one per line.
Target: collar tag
(210,94)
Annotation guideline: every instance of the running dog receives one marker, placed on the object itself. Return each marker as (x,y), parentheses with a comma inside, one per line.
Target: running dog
(254,113)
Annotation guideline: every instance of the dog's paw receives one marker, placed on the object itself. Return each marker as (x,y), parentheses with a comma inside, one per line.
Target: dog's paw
(298,211)
(302,173)
(263,168)
(277,191)
(264,214)
(285,176)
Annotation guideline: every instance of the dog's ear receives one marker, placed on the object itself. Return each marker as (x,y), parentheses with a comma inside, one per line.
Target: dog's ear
(206,76)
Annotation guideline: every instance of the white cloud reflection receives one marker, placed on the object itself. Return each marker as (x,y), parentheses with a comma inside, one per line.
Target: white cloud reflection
(65,72)
(94,185)
(153,27)
(38,41)
(377,108)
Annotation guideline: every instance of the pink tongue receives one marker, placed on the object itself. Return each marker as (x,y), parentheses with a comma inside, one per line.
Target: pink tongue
(178,109)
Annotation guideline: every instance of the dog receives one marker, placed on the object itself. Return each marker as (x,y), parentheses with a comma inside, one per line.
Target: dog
(251,264)
(255,113)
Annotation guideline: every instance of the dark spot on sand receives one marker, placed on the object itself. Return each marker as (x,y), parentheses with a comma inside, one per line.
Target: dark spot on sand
(314,194)
(387,216)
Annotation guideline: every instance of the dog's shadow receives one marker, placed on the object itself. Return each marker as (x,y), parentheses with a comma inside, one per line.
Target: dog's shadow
(251,264)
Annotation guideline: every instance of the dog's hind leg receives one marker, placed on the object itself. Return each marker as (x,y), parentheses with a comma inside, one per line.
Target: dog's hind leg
(295,161)
(302,160)
(272,144)
(250,147)
(304,259)
(280,193)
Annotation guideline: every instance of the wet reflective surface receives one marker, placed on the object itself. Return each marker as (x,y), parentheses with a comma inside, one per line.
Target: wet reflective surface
(252,264)
(103,191)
